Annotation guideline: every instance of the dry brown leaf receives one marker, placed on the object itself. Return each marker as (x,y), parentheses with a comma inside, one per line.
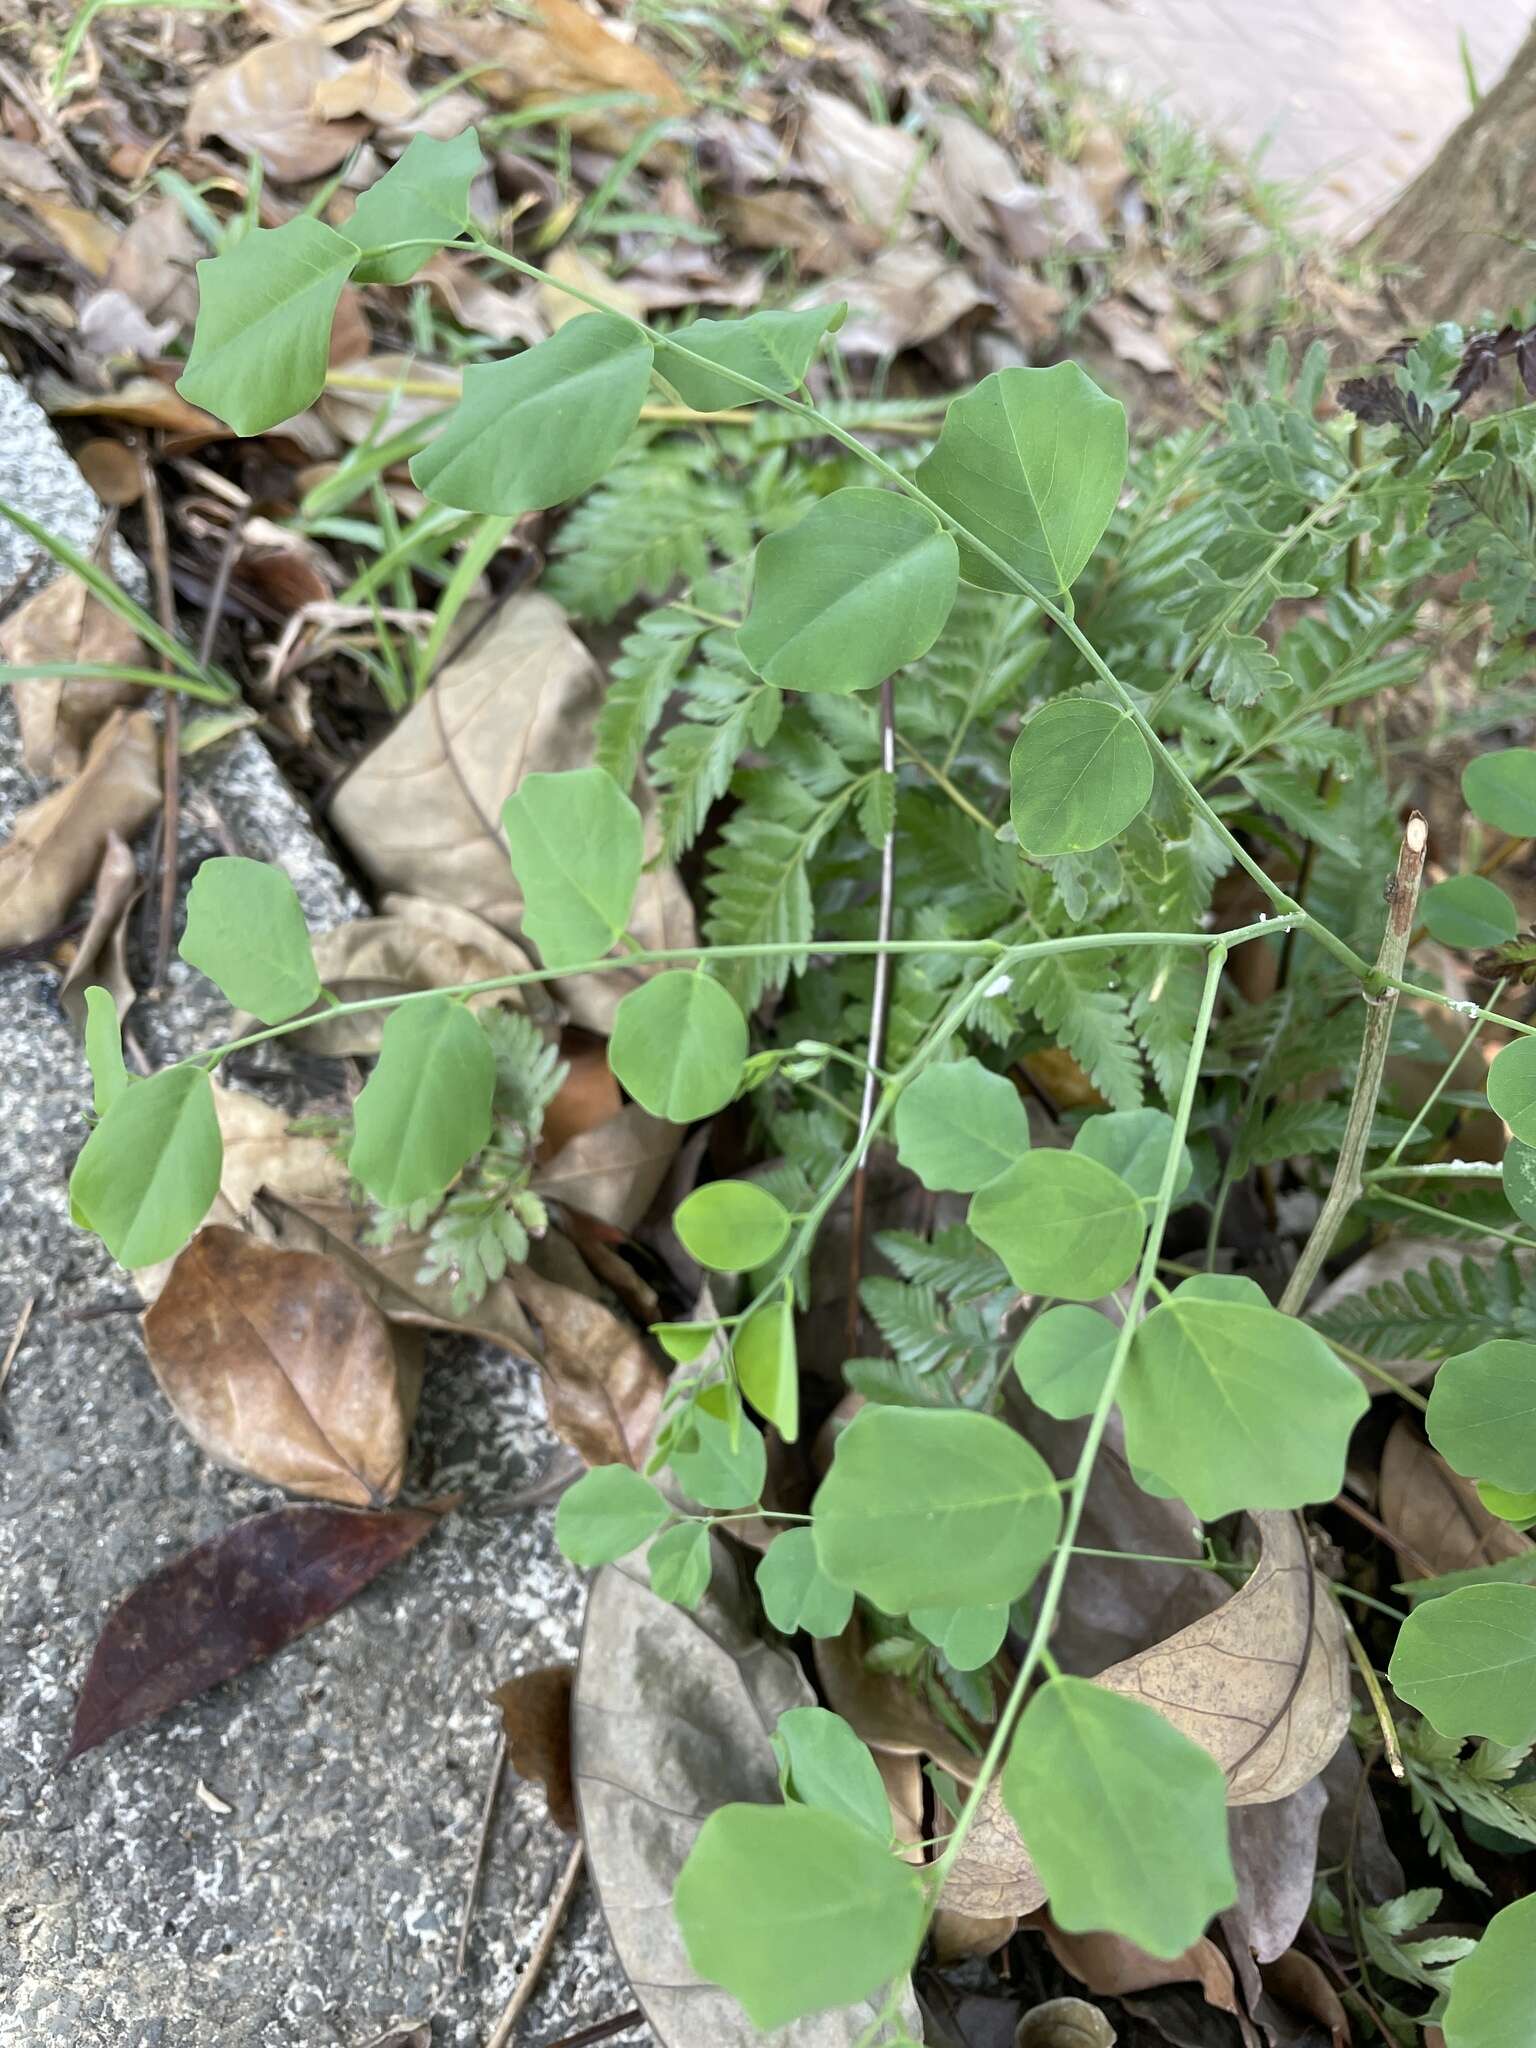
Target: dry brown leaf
(589,1095)
(1112,1967)
(375,86)
(1435,1514)
(994,1874)
(420,812)
(142,401)
(111,471)
(536,1720)
(481,307)
(908,294)
(788,219)
(1295,1982)
(1274,1853)
(58,842)
(602,1387)
(1130,338)
(317,17)
(25,168)
(955,1936)
(873,170)
(882,1709)
(111,324)
(1033,307)
(59,716)
(974,182)
(278,1365)
(261,106)
(101,957)
(570,265)
(612,1172)
(1065,2023)
(86,238)
(353,414)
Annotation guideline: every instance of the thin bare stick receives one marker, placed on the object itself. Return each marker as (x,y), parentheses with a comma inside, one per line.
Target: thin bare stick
(169,837)
(17,1335)
(1345,1188)
(1379,1529)
(528,1982)
(601,2030)
(879,1005)
(477,1873)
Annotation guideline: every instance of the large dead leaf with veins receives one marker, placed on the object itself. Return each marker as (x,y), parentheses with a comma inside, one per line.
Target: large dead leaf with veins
(613,1171)
(261,105)
(602,1387)
(59,716)
(1274,1853)
(671,1718)
(873,170)
(422,811)
(974,184)
(1438,1524)
(908,294)
(882,1709)
(57,843)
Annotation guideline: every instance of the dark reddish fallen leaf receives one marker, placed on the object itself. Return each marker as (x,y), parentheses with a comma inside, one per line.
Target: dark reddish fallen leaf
(536,1715)
(229,1603)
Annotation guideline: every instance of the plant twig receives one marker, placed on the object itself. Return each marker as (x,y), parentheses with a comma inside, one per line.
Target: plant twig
(528,1982)
(17,1335)
(477,1872)
(1377,1697)
(878,1008)
(601,2030)
(1381,1007)
(169,836)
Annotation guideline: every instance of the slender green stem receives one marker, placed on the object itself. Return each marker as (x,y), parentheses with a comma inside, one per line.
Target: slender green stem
(1448,1169)
(1444,1081)
(941,780)
(1478,1229)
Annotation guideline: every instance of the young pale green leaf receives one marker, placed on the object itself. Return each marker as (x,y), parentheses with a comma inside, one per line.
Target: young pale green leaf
(246,932)
(679,1563)
(1493,1990)
(426,1108)
(150,1169)
(1519,1508)
(685,1342)
(679,1044)
(1063,1359)
(768,1366)
(1519,1178)
(1468,1663)
(1235,1405)
(1080,771)
(578,845)
(860,586)
(1134,1143)
(792,1911)
(1501,790)
(774,349)
(1468,911)
(730,1226)
(1482,1413)
(264,324)
(1031,462)
(796,1592)
(822,1763)
(541,427)
(422,200)
(1512,1088)
(104,1050)
(959,1126)
(609,1512)
(1062,1224)
(1125,1817)
(934,1508)
(968,1637)
(713,1470)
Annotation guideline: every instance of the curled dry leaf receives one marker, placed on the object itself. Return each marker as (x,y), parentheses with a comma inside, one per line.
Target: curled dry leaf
(234,1600)
(1298,1985)
(882,1709)
(907,295)
(602,1387)
(279,1365)
(109,323)
(613,1172)
(101,957)
(58,842)
(261,106)
(154,263)
(111,471)
(422,812)
(141,401)
(873,170)
(334,24)
(58,715)
(1065,2023)
(974,186)
(354,414)
(1434,1514)
(536,1720)
(588,1096)
(375,86)
(1111,1967)
(670,1719)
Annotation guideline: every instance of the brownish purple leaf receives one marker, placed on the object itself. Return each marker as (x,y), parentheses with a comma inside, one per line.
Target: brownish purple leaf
(536,1715)
(234,1600)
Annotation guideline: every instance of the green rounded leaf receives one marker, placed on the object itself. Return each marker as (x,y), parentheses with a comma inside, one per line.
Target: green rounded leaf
(543,426)
(934,1508)
(792,1911)
(686,1342)
(264,317)
(959,1126)
(730,1226)
(608,1513)
(1519,1508)
(1467,1661)
(1482,1413)
(1125,1817)
(426,1109)
(1134,1143)
(1235,1405)
(822,1763)
(857,588)
(1493,1990)
(246,932)
(1031,462)
(1512,1088)
(1468,911)
(1519,1177)
(1080,771)
(968,1637)
(768,1366)
(104,1049)
(1062,1224)
(714,1470)
(771,348)
(1501,790)
(422,200)
(1063,1360)
(679,1564)
(796,1592)
(679,1044)
(577,845)
(150,1169)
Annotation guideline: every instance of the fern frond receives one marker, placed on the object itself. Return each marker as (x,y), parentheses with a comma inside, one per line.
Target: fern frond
(650,661)
(655,519)
(952,1261)
(692,764)
(758,887)
(1066,992)
(1438,1311)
